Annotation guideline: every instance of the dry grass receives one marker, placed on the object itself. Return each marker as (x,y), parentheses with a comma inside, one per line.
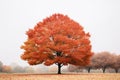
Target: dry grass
(81,76)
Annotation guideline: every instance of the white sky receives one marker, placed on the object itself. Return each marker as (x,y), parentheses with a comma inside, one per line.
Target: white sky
(99,17)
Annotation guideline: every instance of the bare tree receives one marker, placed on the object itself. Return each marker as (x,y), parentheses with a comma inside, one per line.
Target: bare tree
(116,64)
(103,60)
(92,63)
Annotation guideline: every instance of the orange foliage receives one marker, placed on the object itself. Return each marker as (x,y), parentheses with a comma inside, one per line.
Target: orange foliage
(57,39)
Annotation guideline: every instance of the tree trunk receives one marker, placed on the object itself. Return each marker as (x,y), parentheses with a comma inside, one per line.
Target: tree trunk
(116,70)
(104,68)
(59,68)
(59,64)
(89,70)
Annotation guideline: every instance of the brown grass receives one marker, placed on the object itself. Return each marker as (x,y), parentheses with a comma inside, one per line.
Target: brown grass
(81,76)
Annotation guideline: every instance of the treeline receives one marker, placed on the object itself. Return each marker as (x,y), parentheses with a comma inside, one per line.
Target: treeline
(102,60)
(15,68)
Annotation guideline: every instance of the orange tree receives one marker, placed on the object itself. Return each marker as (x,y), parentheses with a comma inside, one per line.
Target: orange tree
(57,40)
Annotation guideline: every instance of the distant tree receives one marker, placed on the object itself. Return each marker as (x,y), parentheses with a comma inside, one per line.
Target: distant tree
(1,64)
(89,67)
(29,69)
(73,68)
(58,39)
(40,69)
(103,60)
(116,63)
(6,69)
(92,63)
(18,69)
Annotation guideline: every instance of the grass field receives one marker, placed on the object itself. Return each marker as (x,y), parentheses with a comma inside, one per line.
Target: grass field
(81,76)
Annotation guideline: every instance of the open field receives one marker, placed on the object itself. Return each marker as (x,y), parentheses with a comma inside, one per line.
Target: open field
(81,76)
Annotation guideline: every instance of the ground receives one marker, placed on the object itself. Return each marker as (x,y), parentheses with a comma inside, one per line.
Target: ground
(81,76)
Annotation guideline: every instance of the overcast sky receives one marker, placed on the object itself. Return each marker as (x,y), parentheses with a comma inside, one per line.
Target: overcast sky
(99,17)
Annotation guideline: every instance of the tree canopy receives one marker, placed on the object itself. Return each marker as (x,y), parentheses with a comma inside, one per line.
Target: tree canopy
(57,39)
